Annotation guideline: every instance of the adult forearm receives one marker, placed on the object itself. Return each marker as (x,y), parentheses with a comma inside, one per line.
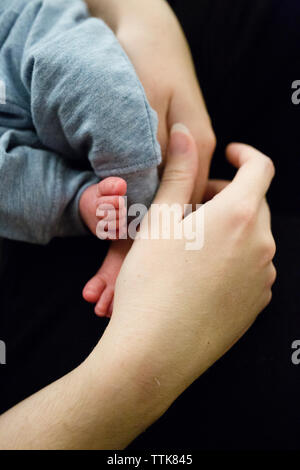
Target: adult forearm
(100,405)
(117,12)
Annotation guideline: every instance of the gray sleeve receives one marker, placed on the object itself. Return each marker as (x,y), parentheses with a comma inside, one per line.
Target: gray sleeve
(86,99)
(39,193)
(142,186)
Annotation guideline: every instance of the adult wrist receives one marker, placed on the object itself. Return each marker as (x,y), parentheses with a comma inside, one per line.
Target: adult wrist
(125,371)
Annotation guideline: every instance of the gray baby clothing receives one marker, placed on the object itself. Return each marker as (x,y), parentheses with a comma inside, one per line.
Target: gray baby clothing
(74,112)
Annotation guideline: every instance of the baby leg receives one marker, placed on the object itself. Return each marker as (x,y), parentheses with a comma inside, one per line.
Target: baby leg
(100,289)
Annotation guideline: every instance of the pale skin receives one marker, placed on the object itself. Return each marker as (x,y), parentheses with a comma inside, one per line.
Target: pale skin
(197,305)
(153,39)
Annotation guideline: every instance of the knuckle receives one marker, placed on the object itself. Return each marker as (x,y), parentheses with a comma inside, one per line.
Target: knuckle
(207,144)
(273,275)
(272,248)
(266,252)
(176,175)
(211,141)
(269,166)
(269,249)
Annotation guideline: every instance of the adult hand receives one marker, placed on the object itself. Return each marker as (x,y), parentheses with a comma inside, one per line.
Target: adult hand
(175,313)
(181,310)
(154,41)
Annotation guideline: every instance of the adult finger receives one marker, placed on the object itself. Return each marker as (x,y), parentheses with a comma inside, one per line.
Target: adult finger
(179,175)
(190,109)
(255,174)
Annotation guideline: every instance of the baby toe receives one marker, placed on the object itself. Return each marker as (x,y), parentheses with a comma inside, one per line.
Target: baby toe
(112,186)
(102,307)
(94,288)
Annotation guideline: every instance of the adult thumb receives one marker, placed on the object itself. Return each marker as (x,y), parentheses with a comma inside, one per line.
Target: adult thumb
(179,176)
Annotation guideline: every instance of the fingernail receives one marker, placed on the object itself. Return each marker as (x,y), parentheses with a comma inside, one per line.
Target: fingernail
(179,142)
(179,127)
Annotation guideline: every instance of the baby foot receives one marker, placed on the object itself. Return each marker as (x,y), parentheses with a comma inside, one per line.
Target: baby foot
(111,209)
(108,193)
(100,289)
